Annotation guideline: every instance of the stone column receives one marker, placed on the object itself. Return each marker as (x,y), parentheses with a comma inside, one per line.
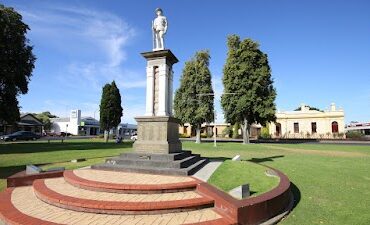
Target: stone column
(163,91)
(149,91)
(170,95)
(158,131)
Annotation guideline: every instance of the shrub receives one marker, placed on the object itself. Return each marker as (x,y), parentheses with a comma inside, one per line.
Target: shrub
(203,135)
(354,134)
(335,135)
(308,135)
(184,136)
(341,135)
(265,133)
(328,135)
(235,131)
(228,131)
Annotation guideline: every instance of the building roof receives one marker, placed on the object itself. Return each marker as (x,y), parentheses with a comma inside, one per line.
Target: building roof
(29,120)
(306,112)
(128,126)
(358,126)
(88,120)
(65,119)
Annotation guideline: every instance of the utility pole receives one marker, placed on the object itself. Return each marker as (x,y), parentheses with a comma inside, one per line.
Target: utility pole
(214,113)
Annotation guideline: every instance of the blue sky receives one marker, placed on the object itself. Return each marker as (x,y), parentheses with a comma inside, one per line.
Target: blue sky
(319,51)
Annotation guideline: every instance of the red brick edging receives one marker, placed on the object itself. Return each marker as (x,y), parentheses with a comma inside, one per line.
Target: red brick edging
(11,215)
(77,181)
(220,221)
(23,179)
(252,210)
(115,207)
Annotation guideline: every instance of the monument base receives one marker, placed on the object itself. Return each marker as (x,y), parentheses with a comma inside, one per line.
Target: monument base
(157,150)
(183,163)
(157,135)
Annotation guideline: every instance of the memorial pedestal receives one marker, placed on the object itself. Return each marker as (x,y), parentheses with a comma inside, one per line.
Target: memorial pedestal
(157,148)
(157,134)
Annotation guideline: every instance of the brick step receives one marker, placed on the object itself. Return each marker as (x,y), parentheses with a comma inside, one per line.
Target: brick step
(153,170)
(182,163)
(158,157)
(59,193)
(21,206)
(87,180)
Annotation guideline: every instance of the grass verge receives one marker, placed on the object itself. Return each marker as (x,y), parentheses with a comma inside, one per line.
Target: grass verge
(232,174)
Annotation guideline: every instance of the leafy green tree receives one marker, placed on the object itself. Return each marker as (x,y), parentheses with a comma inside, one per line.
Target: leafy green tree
(265,132)
(247,75)
(227,132)
(193,101)
(110,108)
(16,63)
(44,117)
(236,128)
(310,108)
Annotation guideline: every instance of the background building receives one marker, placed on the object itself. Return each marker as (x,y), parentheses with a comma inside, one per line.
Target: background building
(27,122)
(126,130)
(71,124)
(78,125)
(307,123)
(363,128)
(207,129)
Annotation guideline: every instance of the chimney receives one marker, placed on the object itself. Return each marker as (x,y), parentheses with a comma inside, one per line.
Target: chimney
(332,107)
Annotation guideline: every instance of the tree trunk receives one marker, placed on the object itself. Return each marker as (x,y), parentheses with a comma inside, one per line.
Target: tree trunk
(106,136)
(246,128)
(198,138)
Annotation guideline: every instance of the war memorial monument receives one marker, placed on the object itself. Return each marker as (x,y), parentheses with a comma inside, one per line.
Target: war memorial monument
(158,148)
(147,186)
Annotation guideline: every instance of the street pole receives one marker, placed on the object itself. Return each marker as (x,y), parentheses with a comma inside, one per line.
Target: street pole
(95,112)
(215,129)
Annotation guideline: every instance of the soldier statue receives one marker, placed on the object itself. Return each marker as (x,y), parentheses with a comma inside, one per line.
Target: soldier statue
(159,28)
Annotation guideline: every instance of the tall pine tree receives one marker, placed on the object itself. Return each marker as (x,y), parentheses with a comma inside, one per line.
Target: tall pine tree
(16,63)
(110,108)
(193,102)
(247,74)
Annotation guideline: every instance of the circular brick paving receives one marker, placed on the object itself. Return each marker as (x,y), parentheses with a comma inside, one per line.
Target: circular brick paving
(60,186)
(63,200)
(27,203)
(129,178)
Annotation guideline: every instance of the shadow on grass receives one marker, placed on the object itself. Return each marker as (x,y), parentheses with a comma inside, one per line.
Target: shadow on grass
(296,193)
(7,171)
(265,159)
(218,159)
(33,147)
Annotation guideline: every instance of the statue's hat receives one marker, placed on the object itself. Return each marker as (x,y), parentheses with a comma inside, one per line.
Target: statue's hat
(158,9)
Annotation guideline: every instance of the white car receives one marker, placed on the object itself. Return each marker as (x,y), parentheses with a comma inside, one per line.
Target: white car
(134,137)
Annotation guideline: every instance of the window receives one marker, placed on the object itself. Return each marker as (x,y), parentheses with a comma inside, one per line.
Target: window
(313,127)
(334,127)
(296,128)
(278,129)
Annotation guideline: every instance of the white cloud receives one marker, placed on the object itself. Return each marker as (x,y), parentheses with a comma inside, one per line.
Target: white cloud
(90,47)
(95,39)
(218,89)
(131,111)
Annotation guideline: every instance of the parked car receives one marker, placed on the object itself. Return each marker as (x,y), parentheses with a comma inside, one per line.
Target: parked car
(134,137)
(21,135)
(63,134)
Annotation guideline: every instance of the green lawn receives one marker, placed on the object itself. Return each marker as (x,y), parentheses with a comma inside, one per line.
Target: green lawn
(331,182)
(232,174)
(14,156)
